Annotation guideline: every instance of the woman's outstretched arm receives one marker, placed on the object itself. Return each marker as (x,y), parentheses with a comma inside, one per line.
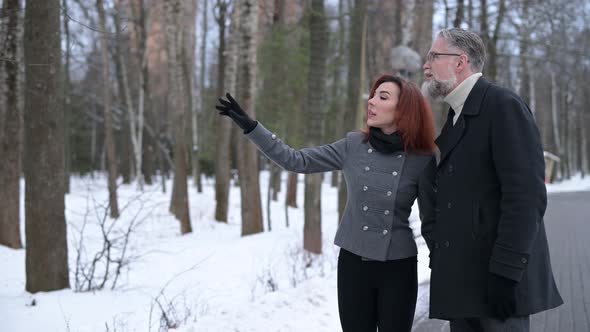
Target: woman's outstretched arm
(308,160)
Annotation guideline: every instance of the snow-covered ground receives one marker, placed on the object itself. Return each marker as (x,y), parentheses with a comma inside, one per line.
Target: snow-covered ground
(210,280)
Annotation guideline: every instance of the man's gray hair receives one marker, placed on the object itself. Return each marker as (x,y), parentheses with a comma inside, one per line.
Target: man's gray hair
(468,42)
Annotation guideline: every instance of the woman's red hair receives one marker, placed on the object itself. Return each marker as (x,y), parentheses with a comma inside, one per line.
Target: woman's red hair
(413,116)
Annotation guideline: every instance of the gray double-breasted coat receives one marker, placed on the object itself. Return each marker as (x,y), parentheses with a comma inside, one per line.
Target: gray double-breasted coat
(381,190)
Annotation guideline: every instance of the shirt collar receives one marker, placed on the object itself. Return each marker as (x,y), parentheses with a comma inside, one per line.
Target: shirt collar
(458,96)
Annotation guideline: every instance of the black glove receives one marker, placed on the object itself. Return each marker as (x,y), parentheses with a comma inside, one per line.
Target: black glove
(502,296)
(231,108)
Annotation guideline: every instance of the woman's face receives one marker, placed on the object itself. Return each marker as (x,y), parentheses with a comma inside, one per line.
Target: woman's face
(381,108)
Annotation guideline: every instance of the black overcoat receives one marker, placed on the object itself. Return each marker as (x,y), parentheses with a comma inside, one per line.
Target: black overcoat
(491,198)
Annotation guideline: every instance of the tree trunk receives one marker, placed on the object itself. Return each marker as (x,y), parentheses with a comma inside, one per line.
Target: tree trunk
(312,229)
(222,151)
(491,41)
(459,16)
(136,120)
(124,97)
(176,104)
(67,90)
(291,193)
(275,180)
(353,84)
(554,117)
(10,143)
(247,154)
(108,115)
(45,231)
(201,101)
(422,26)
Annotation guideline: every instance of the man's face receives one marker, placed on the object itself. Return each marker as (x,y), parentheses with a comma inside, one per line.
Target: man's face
(439,70)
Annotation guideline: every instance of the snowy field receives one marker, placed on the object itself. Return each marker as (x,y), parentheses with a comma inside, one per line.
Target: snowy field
(210,280)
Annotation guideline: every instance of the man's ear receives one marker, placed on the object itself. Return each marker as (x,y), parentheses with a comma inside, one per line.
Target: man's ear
(463,62)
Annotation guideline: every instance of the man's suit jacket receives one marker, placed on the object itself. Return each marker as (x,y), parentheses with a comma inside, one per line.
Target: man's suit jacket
(491,199)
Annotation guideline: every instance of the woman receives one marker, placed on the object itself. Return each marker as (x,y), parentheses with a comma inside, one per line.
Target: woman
(386,168)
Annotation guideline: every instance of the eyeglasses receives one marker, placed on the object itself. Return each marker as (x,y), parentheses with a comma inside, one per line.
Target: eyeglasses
(432,56)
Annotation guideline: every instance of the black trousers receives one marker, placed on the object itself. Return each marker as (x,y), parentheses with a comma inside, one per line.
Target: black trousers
(373,294)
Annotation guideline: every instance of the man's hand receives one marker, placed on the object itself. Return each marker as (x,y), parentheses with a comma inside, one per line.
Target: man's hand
(231,108)
(502,296)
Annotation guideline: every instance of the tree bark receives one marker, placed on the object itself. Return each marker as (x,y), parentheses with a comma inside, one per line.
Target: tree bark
(353,83)
(291,193)
(124,97)
(422,26)
(275,180)
(136,120)
(108,115)
(460,14)
(47,249)
(201,101)
(176,104)
(10,143)
(312,229)
(247,154)
(222,151)
(67,90)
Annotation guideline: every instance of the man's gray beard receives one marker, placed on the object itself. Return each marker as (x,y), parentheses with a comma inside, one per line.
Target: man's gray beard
(437,89)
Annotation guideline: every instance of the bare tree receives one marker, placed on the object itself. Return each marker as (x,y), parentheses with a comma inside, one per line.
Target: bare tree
(247,159)
(353,89)
(491,37)
(176,103)
(136,118)
(10,143)
(200,105)
(47,252)
(67,101)
(222,151)
(108,114)
(312,229)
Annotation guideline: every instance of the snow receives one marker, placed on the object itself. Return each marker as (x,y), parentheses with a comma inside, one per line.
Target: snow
(210,280)
(576,183)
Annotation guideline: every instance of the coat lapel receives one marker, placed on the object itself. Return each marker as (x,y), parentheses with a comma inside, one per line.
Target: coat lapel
(451,135)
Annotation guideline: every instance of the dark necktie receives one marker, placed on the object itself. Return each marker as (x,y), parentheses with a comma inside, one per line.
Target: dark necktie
(450,117)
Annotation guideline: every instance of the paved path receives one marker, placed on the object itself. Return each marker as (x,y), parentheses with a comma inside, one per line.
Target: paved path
(567,221)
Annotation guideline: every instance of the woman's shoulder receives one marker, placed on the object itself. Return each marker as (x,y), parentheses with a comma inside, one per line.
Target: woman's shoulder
(355,136)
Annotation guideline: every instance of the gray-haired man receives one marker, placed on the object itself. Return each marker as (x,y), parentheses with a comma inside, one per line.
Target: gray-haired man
(489,252)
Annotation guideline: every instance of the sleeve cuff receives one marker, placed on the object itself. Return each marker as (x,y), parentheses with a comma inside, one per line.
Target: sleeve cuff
(507,263)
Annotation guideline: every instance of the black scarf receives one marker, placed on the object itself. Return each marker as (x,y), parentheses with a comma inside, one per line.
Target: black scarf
(385,143)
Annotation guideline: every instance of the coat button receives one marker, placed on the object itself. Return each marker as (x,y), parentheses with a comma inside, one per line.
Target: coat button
(370,151)
(389,193)
(449,205)
(384,232)
(434,189)
(523,260)
(367,168)
(365,208)
(386,212)
(446,244)
(273,136)
(394,173)
(365,188)
(365,228)
(399,155)
(435,245)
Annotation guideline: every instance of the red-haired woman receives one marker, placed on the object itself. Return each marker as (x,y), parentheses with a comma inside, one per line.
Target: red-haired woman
(386,168)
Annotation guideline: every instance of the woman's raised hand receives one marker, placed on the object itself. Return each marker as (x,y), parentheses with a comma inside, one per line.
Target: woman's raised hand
(232,109)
